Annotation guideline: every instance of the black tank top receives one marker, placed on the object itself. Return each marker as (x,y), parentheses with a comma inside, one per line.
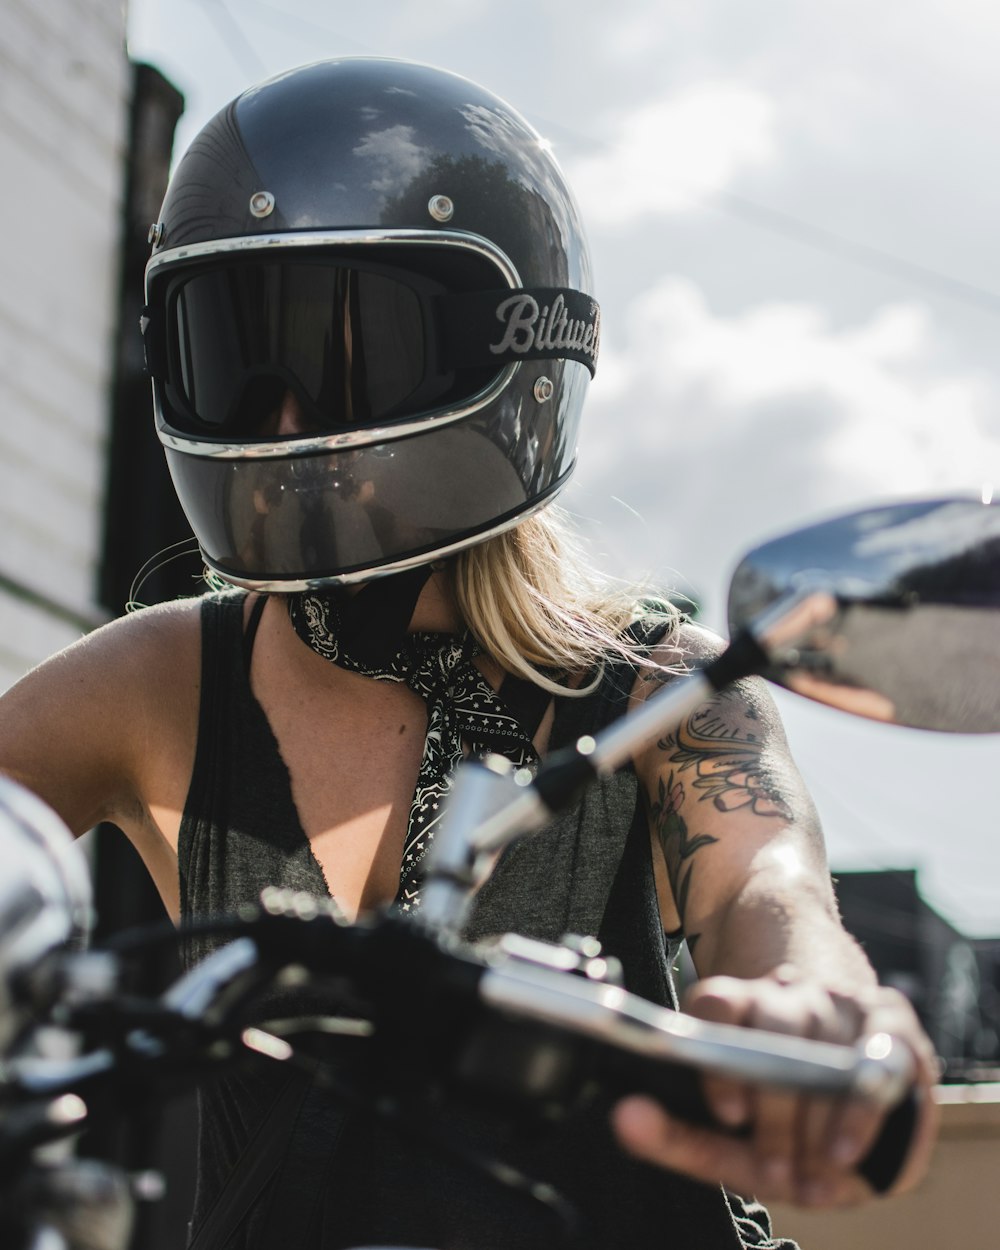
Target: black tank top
(590,872)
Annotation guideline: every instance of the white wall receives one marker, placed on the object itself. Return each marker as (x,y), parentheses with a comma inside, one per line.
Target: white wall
(64,83)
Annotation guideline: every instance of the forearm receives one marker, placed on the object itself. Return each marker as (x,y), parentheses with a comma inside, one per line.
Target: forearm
(782,921)
(742,870)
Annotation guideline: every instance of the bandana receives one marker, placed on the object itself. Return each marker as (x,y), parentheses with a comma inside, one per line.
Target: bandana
(465,716)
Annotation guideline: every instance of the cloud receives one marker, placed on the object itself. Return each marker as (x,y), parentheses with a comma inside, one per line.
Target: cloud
(668,154)
(394,154)
(718,430)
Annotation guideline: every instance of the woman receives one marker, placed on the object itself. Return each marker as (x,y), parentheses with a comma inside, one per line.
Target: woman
(370,327)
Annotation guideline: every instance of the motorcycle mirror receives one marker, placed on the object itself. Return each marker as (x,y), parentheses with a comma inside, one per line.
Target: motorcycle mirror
(45,896)
(892,613)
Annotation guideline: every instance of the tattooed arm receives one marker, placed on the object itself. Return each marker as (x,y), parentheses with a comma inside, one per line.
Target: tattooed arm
(741,870)
(735,832)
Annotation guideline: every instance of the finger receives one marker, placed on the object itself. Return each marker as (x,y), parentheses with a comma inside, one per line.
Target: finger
(833,1019)
(818,1169)
(892,1013)
(774,1113)
(776,1142)
(649,1133)
(836,1189)
(764,1003)
(778,1114)
(723,1000)
(922,1147)
(730,1101)
(859,1123)
(853,1124)
(854,1127)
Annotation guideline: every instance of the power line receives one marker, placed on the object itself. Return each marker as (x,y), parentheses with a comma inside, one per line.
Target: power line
(84,621)
(242,50)
(821,239)
(283,18)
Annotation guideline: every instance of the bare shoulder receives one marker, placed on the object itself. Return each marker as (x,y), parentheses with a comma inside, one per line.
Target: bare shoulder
(77,729)
(691,643)
(680,650)
(728,754)
(153,643)
(744,709)
(139,654)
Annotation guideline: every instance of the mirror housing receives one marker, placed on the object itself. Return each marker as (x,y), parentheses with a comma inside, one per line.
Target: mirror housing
(890,613)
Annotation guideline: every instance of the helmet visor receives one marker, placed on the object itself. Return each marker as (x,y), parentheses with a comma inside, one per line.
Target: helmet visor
(355,345)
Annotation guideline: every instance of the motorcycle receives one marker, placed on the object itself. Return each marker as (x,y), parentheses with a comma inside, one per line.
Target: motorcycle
(848,612)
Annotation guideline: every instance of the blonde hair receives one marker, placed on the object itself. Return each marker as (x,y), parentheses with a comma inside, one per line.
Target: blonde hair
(533,602)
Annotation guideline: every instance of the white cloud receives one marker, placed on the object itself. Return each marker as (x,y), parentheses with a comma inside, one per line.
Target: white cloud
(718,430)
(668,154)
(916,429)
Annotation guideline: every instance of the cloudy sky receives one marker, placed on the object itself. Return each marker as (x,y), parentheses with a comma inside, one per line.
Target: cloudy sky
(792,210)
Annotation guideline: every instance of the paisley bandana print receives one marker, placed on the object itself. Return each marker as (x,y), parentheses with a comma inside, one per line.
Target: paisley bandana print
(462,708)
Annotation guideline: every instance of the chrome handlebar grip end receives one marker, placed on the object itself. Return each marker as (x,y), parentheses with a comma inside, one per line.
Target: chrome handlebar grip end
(884,1070)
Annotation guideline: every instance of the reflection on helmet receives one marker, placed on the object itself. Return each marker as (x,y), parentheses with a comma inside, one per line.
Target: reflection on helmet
(414,287)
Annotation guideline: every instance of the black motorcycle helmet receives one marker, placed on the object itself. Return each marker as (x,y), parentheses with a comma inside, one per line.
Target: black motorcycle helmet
(369,324)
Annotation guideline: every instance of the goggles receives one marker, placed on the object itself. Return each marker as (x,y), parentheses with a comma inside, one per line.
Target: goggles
(355,344)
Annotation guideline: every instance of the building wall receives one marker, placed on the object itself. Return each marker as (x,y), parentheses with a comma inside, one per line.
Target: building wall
(64,86)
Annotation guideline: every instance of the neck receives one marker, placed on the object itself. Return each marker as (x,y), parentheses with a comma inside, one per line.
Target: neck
(436,611)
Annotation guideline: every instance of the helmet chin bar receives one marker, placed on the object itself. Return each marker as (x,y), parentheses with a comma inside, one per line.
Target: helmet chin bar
(295,521)
(403,564)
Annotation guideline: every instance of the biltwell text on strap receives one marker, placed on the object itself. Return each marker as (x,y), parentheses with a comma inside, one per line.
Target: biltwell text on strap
(499,327)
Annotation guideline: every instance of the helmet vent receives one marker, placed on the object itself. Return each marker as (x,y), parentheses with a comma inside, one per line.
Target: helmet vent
(543,390)
(441,208)
(262,203)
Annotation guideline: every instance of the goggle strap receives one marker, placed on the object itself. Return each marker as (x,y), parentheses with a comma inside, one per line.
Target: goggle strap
(476,329)
(482,328)
(153,343)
